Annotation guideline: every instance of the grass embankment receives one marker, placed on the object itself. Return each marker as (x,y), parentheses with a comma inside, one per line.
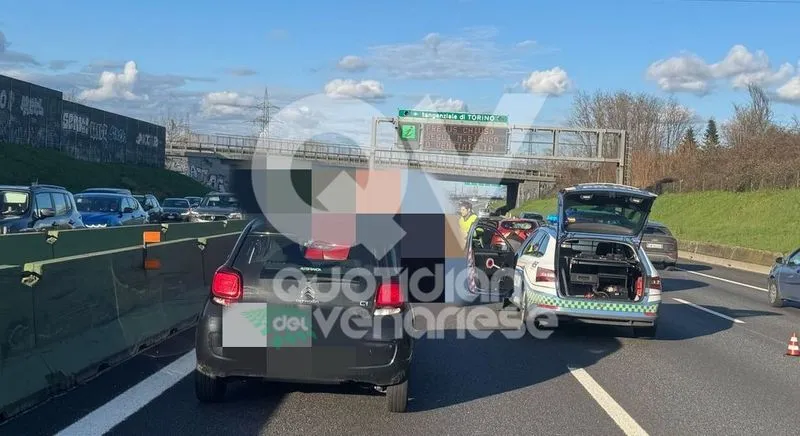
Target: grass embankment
(765,220)
(22,165)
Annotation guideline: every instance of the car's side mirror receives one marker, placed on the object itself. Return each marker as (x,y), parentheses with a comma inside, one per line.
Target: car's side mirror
(779,260)
(47,212)
(127,210)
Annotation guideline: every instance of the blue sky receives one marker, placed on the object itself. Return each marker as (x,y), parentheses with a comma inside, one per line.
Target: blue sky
(212,61)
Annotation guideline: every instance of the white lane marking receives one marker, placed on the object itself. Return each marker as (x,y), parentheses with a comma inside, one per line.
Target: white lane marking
(106,417)
(737,321)
(724,280)
(623,420)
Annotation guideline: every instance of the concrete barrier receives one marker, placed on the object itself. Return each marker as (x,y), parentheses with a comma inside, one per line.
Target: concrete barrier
(19,249)
(64,320)
(725,252)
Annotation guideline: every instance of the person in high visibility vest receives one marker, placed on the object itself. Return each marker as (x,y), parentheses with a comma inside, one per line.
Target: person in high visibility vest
(466,219)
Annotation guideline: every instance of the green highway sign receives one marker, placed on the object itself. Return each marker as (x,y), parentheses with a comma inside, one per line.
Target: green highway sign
(408,132)
(454,116)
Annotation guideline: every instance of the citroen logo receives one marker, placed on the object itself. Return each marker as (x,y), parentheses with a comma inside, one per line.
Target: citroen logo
(308,295)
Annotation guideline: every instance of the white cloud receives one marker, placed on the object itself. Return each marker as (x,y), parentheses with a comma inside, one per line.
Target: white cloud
(352,63)
(790,91)
(741,67)
(115,86)
(365,89)
(527,43)
(474,54)
(13,57)
(227,104)
(554,81)
(442,105)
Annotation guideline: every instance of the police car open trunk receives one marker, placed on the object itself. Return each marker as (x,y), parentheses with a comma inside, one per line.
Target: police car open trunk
(599,233)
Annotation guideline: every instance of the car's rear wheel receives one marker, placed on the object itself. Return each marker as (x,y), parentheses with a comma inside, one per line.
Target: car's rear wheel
(397,397)
(209,389)
(775,299)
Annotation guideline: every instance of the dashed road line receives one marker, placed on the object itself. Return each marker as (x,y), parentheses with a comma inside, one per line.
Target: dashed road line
(623,420)
(106,417)
(697,306)
(724,280)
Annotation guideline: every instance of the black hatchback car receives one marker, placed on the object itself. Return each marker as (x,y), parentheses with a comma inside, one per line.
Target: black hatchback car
(37,208)
(287,310)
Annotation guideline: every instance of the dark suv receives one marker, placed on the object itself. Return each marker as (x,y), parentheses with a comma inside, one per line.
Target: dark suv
(37,208)
(287,309)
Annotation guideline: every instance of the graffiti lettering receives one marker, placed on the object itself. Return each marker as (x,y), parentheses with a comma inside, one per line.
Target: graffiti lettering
(97,131)
(3,99)
(75,123)
(118,135)
(146,139)
(31,106)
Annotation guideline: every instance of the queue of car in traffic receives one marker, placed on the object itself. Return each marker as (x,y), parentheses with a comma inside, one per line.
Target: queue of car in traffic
(40,207)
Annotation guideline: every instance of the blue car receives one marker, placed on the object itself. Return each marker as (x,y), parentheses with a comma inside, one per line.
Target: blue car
(784,280)
(109,210)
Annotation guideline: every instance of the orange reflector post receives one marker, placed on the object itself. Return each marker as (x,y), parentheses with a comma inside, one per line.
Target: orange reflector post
(151,237)
(152,264)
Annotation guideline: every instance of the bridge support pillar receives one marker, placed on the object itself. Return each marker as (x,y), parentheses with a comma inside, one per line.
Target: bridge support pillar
(520,192)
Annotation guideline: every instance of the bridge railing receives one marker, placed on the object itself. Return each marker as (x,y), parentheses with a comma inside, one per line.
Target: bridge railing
(518,166)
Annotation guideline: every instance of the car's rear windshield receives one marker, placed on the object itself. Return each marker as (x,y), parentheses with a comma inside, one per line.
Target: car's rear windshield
(517,225)
(617,215)
(98,203)
(13,203)
(223,201)
(176,202)
(532,216)
(655,230)
(273,251)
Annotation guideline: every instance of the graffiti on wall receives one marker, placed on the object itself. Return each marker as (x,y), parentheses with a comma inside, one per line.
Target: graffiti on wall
(208,171)
(34,115)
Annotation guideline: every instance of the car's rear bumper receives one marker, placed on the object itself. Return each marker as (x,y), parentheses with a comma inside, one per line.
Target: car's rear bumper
(367,361)
(593,311)
(663,258)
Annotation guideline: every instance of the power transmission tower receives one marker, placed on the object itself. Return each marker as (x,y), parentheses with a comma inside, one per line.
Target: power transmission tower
(263,120)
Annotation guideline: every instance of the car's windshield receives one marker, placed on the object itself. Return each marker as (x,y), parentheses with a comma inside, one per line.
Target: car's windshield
(176,202)
(618,215)
(656,230)
(98,203)
(225,201)
(13,203)
(532,216)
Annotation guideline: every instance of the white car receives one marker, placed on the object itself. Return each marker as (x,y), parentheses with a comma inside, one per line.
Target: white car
(588,267)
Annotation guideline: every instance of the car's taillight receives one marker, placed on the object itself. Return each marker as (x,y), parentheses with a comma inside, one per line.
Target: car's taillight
(389,298)
(226,286)
(655,283)
(545,275)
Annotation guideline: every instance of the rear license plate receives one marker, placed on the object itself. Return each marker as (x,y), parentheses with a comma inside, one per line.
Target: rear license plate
(655,245)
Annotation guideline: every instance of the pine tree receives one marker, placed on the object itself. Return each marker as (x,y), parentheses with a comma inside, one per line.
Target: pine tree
(711,137)
(689,141)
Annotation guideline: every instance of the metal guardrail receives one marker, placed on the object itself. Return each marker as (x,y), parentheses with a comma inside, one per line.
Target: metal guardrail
(489,166)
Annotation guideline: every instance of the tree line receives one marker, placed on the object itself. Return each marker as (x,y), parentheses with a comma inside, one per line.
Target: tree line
(667,142)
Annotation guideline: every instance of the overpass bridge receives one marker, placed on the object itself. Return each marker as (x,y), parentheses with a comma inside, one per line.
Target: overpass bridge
(207,157)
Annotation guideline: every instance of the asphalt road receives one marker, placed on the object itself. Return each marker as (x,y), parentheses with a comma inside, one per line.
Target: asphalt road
(721,370)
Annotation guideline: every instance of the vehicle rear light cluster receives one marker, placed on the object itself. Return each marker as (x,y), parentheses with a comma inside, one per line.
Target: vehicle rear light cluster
(545,275)
(389,298)
(226,286)
(655,283)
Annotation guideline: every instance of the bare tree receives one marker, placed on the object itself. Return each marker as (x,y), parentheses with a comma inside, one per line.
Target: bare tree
(750,121)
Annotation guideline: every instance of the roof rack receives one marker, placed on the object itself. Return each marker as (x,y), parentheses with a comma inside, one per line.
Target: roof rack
(42,185)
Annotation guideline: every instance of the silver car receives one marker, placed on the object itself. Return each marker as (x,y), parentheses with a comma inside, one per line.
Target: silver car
(784,279)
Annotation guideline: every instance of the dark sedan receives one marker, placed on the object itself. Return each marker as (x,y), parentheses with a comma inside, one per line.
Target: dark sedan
(175,209)
(659,244)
